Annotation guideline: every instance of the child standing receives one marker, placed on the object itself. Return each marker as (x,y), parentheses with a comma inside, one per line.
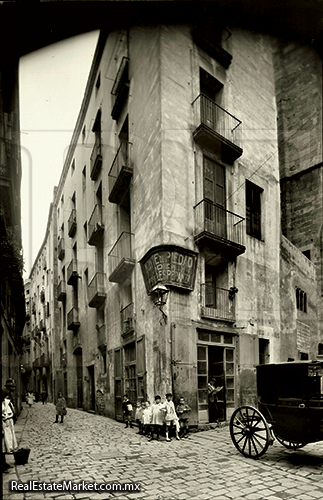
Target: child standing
(182,410)
(171,418)
(157,418)
(146,418)
(127,410)
(138,415)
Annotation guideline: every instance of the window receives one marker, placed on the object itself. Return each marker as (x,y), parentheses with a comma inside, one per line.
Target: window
(84,178)
(83,134)
(263,351)
(73,167)
(301,300)
(253,209)
(98,84)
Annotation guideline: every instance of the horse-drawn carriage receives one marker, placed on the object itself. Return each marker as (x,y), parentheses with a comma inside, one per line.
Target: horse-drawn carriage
(290,409)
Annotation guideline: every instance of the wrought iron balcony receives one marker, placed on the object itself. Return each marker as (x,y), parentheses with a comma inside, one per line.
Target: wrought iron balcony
(217,129)
(72,274)
(45,360)
(73,319)
(95,226)
(36,363)
(120,88)
(120,260)
(101,337)
(120,172)
(217,303)
(72,223)
(219,229)
(26,338)
(61,249)
(127,319)
(96,290)
(96,158)
(63,359)
(61,291)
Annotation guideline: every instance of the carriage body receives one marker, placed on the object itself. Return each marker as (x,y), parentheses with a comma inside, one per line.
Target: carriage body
(290,396)
(290,408)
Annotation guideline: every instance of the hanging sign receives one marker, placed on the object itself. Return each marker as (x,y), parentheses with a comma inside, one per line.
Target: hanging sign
(170,265)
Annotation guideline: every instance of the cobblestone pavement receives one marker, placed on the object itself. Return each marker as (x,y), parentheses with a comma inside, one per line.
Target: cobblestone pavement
(206,466)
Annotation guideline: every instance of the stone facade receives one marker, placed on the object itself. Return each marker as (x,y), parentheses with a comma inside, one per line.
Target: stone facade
(169,209)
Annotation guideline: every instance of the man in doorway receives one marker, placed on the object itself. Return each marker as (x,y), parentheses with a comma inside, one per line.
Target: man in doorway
(213,401)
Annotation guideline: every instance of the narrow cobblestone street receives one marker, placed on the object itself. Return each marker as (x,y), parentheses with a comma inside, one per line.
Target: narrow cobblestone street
(205,466)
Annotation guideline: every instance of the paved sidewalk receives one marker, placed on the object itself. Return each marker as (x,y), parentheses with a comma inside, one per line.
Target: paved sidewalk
(206,466)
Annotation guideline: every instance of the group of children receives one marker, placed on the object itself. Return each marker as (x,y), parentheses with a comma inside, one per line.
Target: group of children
(152,418)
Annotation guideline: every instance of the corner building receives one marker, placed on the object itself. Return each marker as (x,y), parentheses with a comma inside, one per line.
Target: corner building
(168,254)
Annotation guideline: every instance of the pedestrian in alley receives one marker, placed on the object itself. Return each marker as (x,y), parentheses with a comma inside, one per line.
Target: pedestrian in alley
(146,418)
(44,396)
(182,410)
(171,419)
(60,408)
(127,411)
(157,418)
(138,415)
(30,398)
(8,418)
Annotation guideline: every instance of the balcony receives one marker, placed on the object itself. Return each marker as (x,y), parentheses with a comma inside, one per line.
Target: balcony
(219,229)
(121,262)
(36,363)
(61,249)
(127,319)
(63,359)
(72,274)
(37,332)
(216,129)
(95,226)
(73,319)
(120,88)
(42,325)
(61,291)
(26,338)
(72,223)
(96,158)
(217,303)
(77,340)
(45,360)
(120,173)
(96,290)
(101,338)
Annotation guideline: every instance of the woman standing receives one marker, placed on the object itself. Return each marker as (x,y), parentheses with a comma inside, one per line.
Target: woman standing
(60,407)
(8,413)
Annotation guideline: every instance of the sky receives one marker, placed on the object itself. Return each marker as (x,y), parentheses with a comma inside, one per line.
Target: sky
(52,82)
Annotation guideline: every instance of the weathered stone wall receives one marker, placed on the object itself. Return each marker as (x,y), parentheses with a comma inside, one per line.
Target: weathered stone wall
(299,330)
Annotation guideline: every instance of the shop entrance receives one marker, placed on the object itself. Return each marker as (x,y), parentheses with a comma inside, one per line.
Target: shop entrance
(215,362)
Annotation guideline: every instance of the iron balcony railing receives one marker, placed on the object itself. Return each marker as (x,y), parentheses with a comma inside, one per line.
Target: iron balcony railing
(73,319)
(210,114)
(121,250)
(96,288)
(72,271)
(61,290)
(217,302)
(127,324)
(72,223)
(218,221)
(95,225)
(101,337)
(61,249)
(96,157)
(122,161)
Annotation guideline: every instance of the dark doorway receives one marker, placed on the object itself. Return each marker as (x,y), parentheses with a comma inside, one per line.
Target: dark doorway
(79,376)
(216,371)
(92,387)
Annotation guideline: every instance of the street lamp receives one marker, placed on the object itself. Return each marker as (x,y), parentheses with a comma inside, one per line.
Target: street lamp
(159,295)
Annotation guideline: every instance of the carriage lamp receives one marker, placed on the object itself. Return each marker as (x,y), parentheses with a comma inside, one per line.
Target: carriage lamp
(159,295)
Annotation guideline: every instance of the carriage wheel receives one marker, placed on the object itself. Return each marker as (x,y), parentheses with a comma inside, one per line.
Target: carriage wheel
(290,445)
(250,432)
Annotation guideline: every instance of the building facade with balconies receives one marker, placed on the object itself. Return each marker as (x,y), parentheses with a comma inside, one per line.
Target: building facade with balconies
(171,188)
